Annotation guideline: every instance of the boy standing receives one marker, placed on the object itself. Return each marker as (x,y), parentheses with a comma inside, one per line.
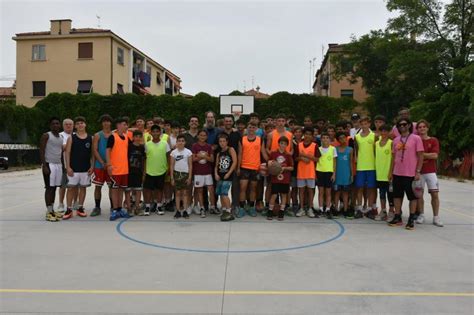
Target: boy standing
(51,150)
(181,167)
(307,155)
(79,161)
(383,161)
(136,165)
(281,182)
(343,182)
(226,163)
(326,173)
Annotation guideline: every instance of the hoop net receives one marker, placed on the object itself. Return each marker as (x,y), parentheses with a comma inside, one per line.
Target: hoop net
(236,114)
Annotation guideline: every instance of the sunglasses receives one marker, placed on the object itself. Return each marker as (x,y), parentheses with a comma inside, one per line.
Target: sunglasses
(402,125)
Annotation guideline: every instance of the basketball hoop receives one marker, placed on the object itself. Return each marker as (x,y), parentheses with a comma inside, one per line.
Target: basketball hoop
(236,114)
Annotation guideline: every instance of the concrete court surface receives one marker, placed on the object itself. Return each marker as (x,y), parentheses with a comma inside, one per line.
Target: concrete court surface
(150,265)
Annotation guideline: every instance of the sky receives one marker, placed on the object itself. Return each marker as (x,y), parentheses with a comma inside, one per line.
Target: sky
(213,46)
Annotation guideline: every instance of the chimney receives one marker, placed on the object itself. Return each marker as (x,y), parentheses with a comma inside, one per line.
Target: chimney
(61,27)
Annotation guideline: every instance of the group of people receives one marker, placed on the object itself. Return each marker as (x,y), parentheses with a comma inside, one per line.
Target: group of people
(270,166)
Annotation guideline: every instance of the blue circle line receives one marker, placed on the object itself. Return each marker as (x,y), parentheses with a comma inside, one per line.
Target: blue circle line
(118,228)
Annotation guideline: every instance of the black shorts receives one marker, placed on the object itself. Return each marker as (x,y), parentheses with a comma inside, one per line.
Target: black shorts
(401,185)
(280,188)
(135,180)
(154,182)
(324,179)
(251,175)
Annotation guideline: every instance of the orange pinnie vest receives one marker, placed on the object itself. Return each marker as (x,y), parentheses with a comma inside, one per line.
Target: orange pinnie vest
(276,136)
(306,170)
(119,155)
(251,153)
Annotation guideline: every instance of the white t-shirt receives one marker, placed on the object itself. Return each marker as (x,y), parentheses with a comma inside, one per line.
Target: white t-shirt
(172,141)
(65,136)
(181,160)
(325,150)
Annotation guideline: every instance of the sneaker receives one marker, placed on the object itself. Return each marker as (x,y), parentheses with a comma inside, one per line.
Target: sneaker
(217,211)
(253,212)
(390,216)
(281,215)
(196,209)
(68,214)
(301,213)
(51,217)
(420,219)
(318,212)
(58,214)
(95,212)
(146,212)
(141,213)
(60,208)
(130,213)
(124,214)
(226,216)
(160,211)
(178,215)
(396,221)
(289,212)
(411,222)
(371,214)
(358,215)
(349,215)
(240,212)
(81,212)
(437,221)
(382,216)
(203,213)
(329,215)
(185,215)
(114,215)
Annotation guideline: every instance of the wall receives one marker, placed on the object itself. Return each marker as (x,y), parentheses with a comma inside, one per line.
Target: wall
(121,73)
(154,88)
(62,69)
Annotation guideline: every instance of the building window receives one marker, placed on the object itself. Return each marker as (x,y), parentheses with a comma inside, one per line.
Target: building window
(347,66)
(158,78)
(38,52)
(347,93)
(85,51)
(84,86)
(120,89)
(120,56)
(39,88)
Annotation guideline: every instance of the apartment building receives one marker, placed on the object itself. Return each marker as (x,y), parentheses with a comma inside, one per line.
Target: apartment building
(326,84)
(85,60)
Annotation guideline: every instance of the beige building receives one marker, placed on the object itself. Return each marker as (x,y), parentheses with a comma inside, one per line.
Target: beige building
(326,84)
(85,60)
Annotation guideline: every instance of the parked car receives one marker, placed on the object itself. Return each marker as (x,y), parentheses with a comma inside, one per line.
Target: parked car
(4,162)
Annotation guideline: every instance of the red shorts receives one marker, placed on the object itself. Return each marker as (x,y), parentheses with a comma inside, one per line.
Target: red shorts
(100,177)
(119,181)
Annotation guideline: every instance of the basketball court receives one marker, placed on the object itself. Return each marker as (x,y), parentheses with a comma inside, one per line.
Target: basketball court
(148,265)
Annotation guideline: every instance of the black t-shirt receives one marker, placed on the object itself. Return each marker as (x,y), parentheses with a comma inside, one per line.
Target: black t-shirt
(81,150)
(111,141)
(190,140)
(234,140)
(136,158)
(224,163)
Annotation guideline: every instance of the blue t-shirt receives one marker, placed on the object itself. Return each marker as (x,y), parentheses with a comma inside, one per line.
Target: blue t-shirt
(343,167)
(259,132)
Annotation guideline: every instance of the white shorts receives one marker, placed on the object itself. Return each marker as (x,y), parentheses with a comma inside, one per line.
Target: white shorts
(79,180)
(431,181)
(55,176)
(203,180)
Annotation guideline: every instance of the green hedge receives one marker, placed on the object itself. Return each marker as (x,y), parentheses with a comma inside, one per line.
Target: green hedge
(15,118)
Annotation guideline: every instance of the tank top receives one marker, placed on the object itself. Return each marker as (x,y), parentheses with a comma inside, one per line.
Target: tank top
(366,152)
(102,148)
(274,146)
(383,160)
(326,161)
(343,167)
(156,159)
(81,150)
(251,151)
(54,148)
(119,155)
(224,164)
(306,170)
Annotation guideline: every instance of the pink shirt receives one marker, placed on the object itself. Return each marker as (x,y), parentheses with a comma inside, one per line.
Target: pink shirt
(397,134)
(405,150)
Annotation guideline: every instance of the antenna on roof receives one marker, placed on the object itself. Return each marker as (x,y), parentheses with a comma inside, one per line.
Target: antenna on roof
(98,21)
(252,82)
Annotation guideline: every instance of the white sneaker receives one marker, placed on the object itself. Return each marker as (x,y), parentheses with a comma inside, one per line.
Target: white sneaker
(196,210)
(300,212)
(203,213)
(60,208)
(390,216)
(437,222)
(382,216)
(310,213)
(421,219)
